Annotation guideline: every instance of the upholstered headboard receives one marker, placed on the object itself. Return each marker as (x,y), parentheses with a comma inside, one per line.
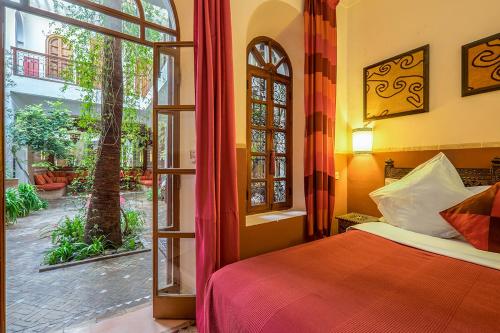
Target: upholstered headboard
(470,176)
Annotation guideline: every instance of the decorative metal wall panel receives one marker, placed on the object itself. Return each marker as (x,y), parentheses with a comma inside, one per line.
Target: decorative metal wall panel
(397,86)
(481,66)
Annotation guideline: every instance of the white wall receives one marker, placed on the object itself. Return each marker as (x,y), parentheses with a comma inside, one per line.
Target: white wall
(36,30)
(376,30)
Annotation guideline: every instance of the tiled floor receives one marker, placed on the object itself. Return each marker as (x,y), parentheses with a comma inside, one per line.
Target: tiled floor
(50,301)
(134,321)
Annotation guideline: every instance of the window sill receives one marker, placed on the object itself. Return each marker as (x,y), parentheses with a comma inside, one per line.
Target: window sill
(274,216)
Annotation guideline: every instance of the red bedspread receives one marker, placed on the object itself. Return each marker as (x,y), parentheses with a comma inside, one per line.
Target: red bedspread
(354,282)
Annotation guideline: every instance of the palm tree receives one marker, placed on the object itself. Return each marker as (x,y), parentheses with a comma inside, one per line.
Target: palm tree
(103,215)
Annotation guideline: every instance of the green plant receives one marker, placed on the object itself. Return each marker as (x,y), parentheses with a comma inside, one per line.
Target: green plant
(44,165)
(132,243)
(30,199)
(44,128)
(14,206)
(64,252)
(81,184)
(68,238)
(69,230)
(128,183)
(95,248)
(132,222)
(21,201)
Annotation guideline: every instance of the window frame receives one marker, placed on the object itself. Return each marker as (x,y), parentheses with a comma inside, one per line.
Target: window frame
(270,74)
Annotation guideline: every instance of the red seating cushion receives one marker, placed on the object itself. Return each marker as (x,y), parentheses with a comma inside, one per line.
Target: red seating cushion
(146,182)
(39,180)
(478,219)
(148,174)
(50,174)
(51,186)
(60,180)
(48,180)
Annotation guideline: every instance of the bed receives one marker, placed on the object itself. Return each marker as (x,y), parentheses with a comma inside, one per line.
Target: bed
(377,279)
(373,278)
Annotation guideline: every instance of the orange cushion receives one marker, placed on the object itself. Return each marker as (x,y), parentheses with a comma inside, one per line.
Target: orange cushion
(50,174)
(48,180)
(478,219)
(51,187)
(60,180)
(146,182)
(39,180)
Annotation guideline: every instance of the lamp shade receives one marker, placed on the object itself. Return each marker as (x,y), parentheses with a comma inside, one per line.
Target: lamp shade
(362,140)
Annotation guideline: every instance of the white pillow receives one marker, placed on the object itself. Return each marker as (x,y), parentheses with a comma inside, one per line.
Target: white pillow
(414,202)
(477,189)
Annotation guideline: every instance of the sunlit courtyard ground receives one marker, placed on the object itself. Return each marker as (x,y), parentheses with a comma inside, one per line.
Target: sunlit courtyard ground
(52,300)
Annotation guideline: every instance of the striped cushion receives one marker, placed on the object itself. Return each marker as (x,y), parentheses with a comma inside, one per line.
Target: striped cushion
(48,180)
(39,180)
(478,219)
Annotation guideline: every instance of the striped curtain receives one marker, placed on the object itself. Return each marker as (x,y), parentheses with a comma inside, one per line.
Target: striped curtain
(320,102)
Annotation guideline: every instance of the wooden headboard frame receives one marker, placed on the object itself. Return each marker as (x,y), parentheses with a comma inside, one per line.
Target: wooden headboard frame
(470,176)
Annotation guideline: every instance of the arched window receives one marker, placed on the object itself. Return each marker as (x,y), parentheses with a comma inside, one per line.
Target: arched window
(19,29)
(269,127)
(140,21)
(58,57)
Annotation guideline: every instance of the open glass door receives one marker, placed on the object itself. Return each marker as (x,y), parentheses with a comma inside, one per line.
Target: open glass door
(174,141)
(2,175)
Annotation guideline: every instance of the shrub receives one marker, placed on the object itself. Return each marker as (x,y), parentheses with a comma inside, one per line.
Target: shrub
(14,206)
(93,249)
(29,196)
(44,128)
(69,230)
(68,238)
(132,243)
(132,222)
(21,201)
(64,252)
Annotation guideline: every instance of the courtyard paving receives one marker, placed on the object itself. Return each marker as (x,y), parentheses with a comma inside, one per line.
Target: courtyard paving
(53,300)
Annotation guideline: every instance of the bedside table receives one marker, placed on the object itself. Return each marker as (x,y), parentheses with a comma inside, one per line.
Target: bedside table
(348,220)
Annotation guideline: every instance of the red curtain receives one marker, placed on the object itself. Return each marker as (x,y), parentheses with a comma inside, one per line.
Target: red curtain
(217,225)
(320,103)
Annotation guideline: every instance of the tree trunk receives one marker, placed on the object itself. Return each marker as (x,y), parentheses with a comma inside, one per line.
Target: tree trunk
(103,215)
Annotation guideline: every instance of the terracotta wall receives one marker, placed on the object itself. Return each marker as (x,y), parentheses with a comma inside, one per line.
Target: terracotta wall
(263,238)
(366,172)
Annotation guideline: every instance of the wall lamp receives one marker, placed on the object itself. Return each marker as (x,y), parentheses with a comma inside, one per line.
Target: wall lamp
(362,140)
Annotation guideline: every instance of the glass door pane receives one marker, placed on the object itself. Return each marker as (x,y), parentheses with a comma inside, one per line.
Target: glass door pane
(174,141)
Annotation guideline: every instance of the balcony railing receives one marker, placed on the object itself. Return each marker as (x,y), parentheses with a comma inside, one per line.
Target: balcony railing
(47,67)
(42,66)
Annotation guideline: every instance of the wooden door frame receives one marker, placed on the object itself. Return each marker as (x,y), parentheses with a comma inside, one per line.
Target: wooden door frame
(3,285)
(25,7)
(169,303)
